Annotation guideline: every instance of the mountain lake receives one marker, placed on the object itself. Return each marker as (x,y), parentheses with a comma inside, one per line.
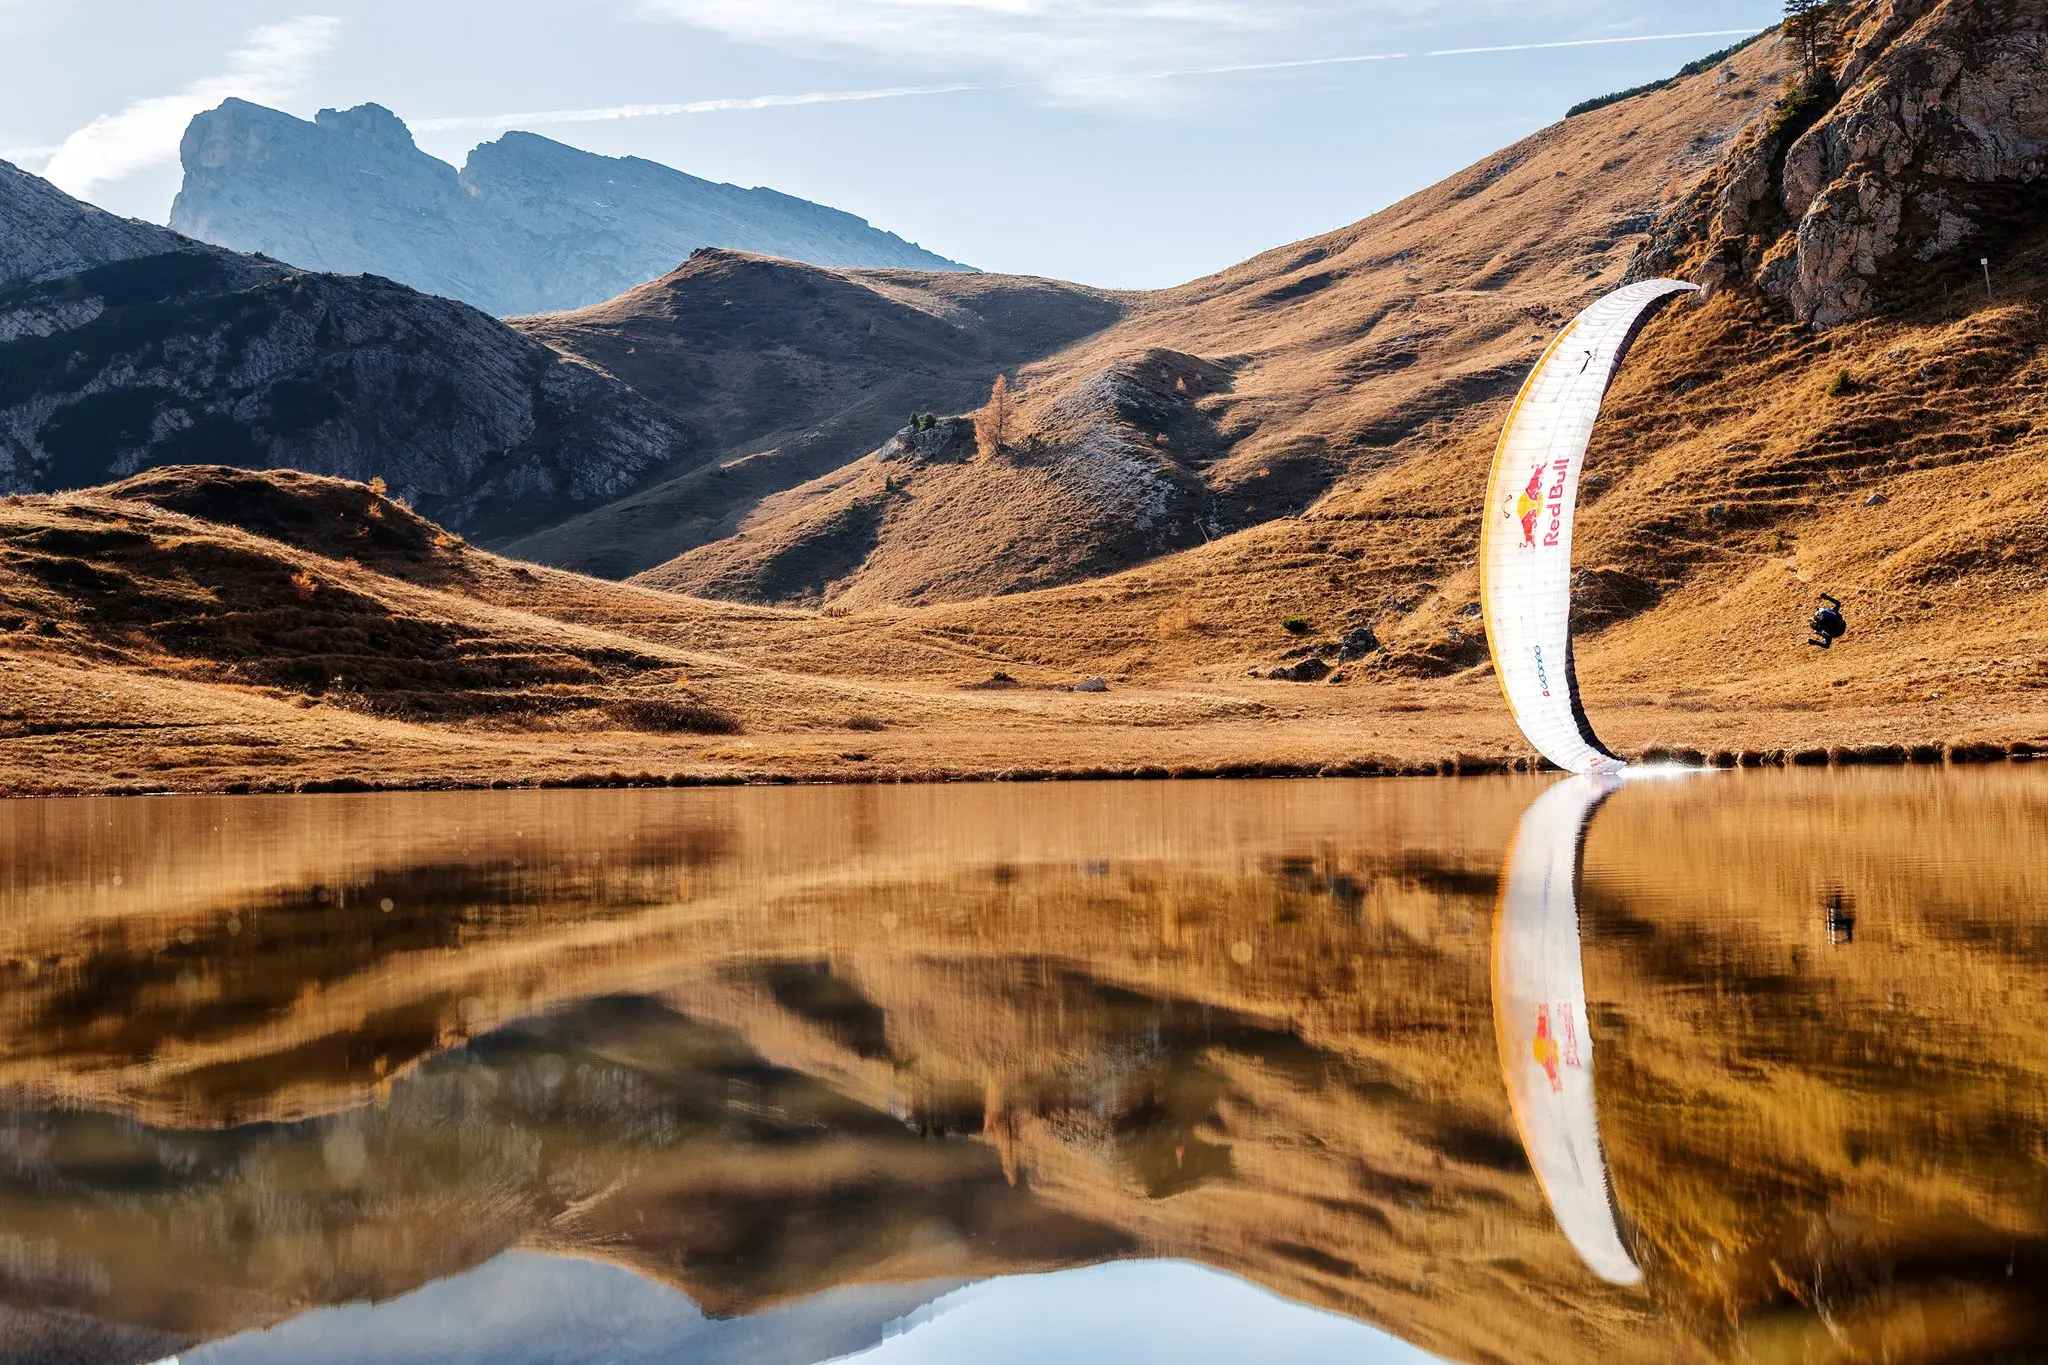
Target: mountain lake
(1695,1066)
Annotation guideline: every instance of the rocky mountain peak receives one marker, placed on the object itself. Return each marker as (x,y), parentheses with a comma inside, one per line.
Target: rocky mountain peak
(529,225)
(1923,133)
(371,123)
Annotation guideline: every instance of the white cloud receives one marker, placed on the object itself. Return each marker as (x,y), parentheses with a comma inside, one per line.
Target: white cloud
(613,112)
(1069,85)
(1104,51)
(1595,42)
(1071,47)
(269,67)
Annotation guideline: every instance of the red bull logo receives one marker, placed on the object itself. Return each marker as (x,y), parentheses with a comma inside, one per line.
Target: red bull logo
(1545,1049)
(1556,1048)
(1529,506)
(1539,506)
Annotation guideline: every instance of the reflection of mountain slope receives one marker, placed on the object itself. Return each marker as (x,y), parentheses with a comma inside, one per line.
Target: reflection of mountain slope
(1316,1119)
(1244,1025)
(1857,1170)
(617,1126)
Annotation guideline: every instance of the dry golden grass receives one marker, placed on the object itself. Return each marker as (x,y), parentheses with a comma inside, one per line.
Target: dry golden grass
(148,650)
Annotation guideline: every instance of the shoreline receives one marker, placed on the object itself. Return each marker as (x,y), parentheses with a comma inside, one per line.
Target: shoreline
(1950,755)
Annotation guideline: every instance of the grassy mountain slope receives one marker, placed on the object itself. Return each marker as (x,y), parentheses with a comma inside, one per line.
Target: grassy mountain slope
(1255,394)
(214,629)
(780,372)
(1747,463)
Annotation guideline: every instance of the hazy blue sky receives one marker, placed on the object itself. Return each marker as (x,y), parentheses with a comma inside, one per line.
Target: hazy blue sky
(1098,140)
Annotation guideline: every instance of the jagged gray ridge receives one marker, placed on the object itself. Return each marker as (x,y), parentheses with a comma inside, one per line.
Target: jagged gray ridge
(528,225)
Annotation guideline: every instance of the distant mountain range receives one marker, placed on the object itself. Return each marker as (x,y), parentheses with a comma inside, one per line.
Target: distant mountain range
(528,225)
(124,345)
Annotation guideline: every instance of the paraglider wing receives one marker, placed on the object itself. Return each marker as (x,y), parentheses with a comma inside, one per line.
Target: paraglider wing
(1525,539)
(1539,1017)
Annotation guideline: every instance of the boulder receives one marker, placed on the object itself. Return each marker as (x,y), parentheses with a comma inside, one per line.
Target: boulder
(1307,670)
(1357,643)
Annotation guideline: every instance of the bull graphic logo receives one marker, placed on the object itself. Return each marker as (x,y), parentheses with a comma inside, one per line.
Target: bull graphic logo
(1546,1050)
(1529,505)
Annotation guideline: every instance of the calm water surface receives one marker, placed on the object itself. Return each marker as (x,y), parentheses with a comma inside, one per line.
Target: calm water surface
(1747,1066)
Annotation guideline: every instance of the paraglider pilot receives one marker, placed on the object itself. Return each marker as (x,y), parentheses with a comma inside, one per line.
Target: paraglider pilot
(1827,624)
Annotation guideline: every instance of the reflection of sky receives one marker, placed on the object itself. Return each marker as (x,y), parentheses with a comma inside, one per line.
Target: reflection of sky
(527,1309)
(1129,1313)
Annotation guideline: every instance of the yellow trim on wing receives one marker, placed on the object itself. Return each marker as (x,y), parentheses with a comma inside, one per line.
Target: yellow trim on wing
(1486,530)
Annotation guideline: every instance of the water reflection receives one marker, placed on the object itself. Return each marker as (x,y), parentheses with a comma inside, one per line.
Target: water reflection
(792,1063)
(1540,1017)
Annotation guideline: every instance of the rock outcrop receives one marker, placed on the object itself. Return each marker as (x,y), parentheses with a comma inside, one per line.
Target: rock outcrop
(125,346)
(929,440)
(528,225)
(1101,471)
(1927,133)
(783,373)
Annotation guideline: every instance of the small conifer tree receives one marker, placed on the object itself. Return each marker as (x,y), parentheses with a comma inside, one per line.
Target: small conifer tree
(1809,29)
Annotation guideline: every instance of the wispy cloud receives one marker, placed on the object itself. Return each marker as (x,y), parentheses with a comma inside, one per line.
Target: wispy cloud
(1594,42)
(22,155)
(268,67)
(609,113)
(1045,42)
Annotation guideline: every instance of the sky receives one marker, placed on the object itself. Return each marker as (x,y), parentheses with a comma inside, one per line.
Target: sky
(1124,143)
(526,1308)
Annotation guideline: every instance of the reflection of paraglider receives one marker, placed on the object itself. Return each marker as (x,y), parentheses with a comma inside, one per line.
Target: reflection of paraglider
(1539,1015)
(1525,539)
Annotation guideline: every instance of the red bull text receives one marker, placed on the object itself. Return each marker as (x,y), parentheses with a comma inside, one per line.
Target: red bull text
(1531,504)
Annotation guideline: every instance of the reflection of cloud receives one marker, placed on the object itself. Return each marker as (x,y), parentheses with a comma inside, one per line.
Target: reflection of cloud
(1070,85)
(268,67)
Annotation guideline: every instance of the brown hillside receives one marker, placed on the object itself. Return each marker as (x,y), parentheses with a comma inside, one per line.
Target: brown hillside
(779,372)
(143,648)
(1104,476)
(1251,395)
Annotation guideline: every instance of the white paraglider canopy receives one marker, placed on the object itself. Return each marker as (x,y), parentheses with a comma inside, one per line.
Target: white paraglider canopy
(1539,1019)
(1525,539)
